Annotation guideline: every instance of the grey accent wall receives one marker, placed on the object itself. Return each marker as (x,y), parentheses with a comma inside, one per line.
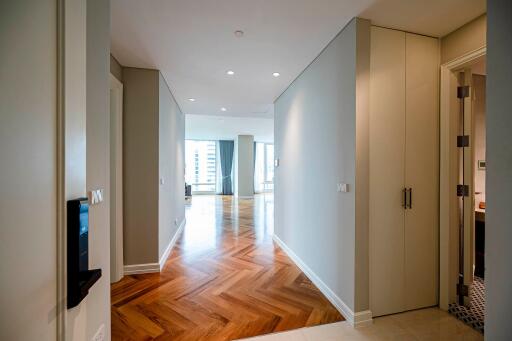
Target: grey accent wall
(153,166)
(140,165)
(316,142)
(171,166)
(28,107)
(244,166)
(498,238)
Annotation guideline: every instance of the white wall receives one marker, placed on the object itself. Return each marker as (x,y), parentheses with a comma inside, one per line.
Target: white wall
(171,203)
(315,140)
(465,39)
(498,238)
(244,166)
(28,208)
(98,162)
(479,147)
(87,149)
(208,127)
(75,140)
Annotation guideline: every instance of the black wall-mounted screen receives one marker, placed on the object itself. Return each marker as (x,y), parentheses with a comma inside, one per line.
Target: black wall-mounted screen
(83,238)
(80,278)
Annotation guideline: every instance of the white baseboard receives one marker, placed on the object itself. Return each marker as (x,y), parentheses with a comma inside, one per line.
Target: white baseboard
(167,251)
(355,319)
(155,267)
(245,196)
(141,268)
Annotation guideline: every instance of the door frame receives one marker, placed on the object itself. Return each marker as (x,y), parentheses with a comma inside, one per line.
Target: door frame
(116,180)
(448,209)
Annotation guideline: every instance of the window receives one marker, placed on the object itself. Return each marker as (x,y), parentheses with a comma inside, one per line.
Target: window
(264,168)
(201,165)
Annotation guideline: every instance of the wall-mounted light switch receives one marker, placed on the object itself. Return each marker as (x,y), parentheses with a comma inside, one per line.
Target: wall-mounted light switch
(95,196)
(162,181)
(276,163)
(342,187)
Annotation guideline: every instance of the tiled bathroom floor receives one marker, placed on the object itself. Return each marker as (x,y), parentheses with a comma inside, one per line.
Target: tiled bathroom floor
(424,324)
(474,315)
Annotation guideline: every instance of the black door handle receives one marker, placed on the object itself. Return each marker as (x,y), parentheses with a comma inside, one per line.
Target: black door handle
(404,198)
(410,198)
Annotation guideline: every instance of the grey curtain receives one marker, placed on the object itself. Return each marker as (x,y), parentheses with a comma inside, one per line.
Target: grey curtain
(226,149)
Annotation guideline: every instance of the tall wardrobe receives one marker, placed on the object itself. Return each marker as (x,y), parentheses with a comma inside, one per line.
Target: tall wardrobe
(404,171)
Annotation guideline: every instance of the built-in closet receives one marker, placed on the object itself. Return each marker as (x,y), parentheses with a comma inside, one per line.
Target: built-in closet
(404,171)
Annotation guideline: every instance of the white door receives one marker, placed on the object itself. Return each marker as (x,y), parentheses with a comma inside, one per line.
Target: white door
(404,114)
(387,167)
(422,171)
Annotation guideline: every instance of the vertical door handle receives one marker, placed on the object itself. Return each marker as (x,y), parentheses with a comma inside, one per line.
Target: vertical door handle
(410,198)
(404,198)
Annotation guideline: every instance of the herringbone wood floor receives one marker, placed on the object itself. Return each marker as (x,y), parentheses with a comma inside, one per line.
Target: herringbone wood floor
(224,280)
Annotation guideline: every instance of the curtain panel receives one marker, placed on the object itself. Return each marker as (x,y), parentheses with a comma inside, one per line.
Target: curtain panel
(226,149)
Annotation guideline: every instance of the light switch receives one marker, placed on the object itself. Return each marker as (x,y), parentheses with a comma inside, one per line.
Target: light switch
(95,196)
(162,181)
(276,163)
(342,187)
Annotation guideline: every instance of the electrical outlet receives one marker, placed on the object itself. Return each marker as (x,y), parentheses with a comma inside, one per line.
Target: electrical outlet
(100,334)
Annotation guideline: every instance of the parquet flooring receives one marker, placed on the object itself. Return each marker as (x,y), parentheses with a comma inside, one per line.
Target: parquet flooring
(224,280)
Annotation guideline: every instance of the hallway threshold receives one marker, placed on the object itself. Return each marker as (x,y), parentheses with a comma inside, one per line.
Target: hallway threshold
(423,324)
(224,280)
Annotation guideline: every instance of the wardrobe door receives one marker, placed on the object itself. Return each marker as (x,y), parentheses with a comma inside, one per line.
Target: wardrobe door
(387,141)
(422,171)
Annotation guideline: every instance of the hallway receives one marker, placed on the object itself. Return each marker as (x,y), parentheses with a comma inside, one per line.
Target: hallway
(225,279)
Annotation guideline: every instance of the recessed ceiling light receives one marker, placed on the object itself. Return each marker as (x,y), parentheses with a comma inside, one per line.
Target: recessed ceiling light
(239,33)
(192,99)
(223,109)
(276,74)
(230,72)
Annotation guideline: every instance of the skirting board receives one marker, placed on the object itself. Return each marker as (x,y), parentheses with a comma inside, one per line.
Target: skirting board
(167,251)
(141,268)
(155,267)
(355,319)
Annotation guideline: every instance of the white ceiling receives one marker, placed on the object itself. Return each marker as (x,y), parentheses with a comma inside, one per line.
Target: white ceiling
(207,127)
(192,42)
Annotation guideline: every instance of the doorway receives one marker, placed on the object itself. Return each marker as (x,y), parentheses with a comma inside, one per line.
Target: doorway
(116,180)
(462,188)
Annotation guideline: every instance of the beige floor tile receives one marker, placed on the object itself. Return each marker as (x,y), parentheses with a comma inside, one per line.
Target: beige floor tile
(424,324)
(294,335)
(332,331)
